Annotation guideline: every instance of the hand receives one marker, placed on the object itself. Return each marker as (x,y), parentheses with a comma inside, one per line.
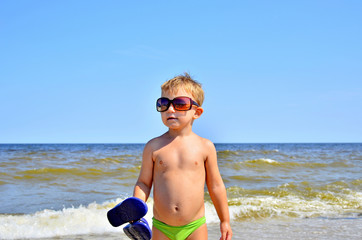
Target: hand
(226,232)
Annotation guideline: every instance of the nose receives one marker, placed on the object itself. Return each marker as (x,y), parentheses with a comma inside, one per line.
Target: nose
(171,108)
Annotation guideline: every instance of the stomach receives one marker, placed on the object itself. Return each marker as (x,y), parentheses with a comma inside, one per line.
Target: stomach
(178,198)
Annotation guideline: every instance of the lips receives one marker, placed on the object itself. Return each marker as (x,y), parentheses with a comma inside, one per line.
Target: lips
(171,118)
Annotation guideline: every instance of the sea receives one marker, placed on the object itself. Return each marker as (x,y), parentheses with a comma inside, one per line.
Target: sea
(275,191)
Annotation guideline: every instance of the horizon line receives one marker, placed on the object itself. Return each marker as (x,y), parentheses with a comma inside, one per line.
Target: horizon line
(213,142)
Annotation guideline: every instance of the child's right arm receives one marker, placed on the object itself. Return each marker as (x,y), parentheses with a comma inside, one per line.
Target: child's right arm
(143,185)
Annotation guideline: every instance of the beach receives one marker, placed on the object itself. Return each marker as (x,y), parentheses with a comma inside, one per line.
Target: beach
(275,191)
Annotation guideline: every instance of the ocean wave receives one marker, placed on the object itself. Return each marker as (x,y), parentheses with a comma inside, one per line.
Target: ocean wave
(45,174)
(266,162)
(49,223)
(286,201)
(262,161)
(231,153)
(115,159)
(250,178)
(297,200)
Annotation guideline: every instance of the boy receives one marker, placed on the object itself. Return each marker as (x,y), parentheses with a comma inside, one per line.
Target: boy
(178,163)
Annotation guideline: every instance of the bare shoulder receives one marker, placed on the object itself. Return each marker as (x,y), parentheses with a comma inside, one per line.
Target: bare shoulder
(207,145)
(155,143)
(152,143)
(210,145)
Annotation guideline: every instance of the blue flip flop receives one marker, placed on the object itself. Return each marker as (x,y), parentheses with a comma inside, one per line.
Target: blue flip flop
(131,209)
(138,230)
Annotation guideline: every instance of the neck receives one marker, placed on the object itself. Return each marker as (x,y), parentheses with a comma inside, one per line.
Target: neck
(180,132)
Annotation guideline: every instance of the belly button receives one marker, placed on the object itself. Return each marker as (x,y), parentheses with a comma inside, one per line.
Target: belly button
(161,162)
(176,208)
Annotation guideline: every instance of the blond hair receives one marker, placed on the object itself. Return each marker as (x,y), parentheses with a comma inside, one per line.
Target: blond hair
(188,84)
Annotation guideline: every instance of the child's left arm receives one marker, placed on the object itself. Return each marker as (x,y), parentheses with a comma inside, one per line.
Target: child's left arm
(217,191)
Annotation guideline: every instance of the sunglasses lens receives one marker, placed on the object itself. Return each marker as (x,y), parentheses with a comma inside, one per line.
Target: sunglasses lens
(182,103)
(162,104)
(179,104)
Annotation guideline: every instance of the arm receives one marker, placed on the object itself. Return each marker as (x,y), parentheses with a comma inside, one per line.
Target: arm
(217,191)
(143,185)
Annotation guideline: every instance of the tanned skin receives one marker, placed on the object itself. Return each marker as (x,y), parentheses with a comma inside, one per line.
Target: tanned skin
(178,163)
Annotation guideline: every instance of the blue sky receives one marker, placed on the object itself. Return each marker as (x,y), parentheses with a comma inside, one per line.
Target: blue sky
(90,71)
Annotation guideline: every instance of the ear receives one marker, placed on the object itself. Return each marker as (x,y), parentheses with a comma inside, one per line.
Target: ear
(198,112)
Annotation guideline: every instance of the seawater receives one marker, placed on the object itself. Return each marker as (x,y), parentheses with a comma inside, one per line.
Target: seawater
(275,191)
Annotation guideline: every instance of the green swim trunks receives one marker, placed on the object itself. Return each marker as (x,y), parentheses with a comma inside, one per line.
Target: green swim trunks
(178,232)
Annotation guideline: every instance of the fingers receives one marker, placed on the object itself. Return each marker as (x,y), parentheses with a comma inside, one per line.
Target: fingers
(223,236)
(229,236)
(226,232)
(226,236)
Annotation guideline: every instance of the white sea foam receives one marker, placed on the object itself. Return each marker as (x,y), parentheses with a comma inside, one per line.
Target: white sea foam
(69,221)
(268,160)
(91,219)
(82,220)
(262,160)
(49,223)
(264,207)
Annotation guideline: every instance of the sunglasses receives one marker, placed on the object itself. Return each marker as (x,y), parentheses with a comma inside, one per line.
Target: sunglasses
(178,103)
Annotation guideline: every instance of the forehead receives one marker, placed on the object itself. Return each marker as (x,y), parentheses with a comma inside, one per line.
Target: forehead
(177,93)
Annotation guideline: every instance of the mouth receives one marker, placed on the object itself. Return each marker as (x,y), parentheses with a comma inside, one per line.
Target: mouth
(171,118)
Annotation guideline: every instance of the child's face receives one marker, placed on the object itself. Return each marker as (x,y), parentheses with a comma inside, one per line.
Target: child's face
(175,119)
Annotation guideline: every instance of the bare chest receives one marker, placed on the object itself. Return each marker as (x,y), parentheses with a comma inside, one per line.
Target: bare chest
(179,159)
